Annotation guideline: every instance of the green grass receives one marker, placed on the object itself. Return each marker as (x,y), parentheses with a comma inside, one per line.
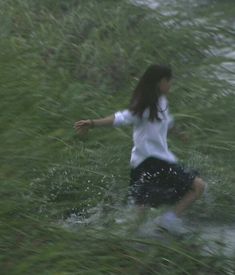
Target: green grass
(62,61)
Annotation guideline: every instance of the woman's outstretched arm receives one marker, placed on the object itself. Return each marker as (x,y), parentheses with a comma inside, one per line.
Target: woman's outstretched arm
(82,126)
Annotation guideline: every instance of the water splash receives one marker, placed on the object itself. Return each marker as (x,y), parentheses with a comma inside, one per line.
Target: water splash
(152,4)
(217,239)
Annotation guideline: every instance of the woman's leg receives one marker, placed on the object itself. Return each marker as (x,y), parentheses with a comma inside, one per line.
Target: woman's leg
(170,220)
(197,190)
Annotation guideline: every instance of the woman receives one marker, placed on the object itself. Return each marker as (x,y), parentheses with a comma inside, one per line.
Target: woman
(156,176)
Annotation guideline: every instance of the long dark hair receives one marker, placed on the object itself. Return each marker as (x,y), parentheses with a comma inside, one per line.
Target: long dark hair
(147,92)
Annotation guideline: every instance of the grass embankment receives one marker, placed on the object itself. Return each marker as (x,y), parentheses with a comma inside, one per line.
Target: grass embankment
(62,61)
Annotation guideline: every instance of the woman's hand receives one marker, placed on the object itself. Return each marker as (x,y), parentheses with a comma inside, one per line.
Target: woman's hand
(82,126)
(183,136)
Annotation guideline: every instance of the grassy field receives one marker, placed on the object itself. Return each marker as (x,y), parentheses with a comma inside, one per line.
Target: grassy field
(66,60)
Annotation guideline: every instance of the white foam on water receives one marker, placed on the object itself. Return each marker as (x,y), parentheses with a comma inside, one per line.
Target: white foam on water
(79,220)
(152,4)
(215,239)
(219,239)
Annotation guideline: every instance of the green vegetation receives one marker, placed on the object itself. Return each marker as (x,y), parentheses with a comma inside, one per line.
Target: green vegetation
(66,60)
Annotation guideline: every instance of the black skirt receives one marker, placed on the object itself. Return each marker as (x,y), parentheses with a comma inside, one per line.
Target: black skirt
(155,182)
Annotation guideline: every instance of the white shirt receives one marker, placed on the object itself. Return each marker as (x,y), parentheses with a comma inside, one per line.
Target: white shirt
(150,138)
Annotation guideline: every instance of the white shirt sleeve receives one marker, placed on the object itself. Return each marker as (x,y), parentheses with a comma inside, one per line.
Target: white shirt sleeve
(124,117)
